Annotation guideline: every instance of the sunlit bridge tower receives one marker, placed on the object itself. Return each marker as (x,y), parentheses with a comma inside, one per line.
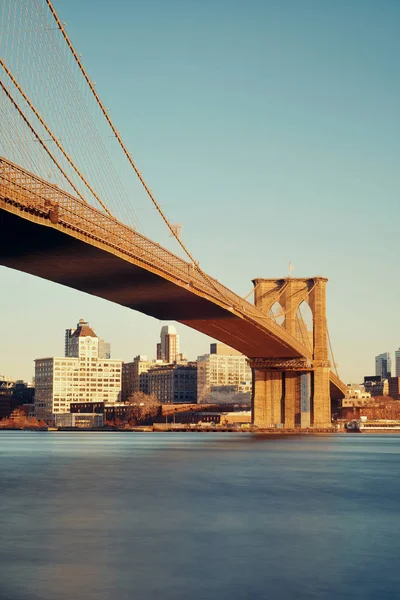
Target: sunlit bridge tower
(294,391)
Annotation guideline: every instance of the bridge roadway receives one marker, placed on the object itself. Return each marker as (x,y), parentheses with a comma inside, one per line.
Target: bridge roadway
(47,232)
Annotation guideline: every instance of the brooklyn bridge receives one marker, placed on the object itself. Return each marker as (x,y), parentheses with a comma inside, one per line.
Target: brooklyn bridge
(65,212)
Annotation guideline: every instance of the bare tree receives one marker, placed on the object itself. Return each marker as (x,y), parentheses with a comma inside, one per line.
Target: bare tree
(385,410)
(142,408)
(19,420)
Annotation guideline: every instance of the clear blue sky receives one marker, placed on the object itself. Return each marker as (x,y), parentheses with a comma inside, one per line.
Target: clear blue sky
(271,131)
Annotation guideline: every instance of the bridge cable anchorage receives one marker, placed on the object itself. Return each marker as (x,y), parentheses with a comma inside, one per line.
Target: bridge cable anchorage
(127,153)
(55,140)
(41,142)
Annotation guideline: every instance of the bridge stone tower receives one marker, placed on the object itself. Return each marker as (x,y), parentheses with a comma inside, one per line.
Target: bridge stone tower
(293,392)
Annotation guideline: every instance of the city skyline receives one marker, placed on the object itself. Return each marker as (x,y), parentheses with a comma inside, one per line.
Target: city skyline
(313,102)
(380,364)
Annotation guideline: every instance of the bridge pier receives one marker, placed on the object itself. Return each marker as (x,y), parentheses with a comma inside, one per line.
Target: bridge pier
(322,397)
(267,398)
(289,398)
(283,394)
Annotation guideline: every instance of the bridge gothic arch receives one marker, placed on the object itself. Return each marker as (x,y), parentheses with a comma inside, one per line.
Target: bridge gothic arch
(305,325)
(277,313)
(303,385)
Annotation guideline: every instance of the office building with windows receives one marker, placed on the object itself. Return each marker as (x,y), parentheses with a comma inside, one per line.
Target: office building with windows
(221,373)
(168,347)
(383,365)
(80,376)
(174,383)
(135,376)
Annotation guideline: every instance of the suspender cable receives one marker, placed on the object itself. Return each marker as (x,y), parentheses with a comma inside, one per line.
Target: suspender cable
(330,347)
(118,136)
(128,155)
(53,137)
(39,139)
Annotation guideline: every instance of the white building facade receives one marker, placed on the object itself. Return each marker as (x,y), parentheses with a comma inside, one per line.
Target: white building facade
(80,377)
(221,373)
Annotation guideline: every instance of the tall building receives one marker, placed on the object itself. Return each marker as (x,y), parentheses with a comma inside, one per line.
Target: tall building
(397,361)
(221,373)
(83,375)
(168,348)
(383,365)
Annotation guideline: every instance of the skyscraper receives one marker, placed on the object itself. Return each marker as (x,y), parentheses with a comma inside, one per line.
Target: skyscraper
(397,360)
(168,348)
(383,365)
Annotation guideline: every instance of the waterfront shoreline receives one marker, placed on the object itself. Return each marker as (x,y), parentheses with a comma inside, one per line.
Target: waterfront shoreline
(259,432)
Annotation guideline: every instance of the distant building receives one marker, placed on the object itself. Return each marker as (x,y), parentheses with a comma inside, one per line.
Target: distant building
(14,394)
(110,411)
(83,420)
(394,388)
(104,349)
(6,392)
(383,365)
(174,383)
(6,384)
(356,392)
(135,375)
(397,362)
(223,350)
(376,386)
(168,348)
(222,373)
(80,376)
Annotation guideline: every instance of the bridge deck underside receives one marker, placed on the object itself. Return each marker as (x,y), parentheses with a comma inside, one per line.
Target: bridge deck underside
(51,254)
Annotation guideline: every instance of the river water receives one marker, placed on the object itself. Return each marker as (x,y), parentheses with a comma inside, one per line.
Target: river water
(170,516)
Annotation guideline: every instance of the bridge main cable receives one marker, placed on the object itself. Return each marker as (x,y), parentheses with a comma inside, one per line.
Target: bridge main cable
(39,139)
(128,154)
(118,136)
(55,140)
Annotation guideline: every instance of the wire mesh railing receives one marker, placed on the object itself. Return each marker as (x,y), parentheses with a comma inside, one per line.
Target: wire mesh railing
(33,194)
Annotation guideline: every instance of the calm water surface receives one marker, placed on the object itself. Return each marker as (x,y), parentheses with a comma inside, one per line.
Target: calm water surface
(198,516)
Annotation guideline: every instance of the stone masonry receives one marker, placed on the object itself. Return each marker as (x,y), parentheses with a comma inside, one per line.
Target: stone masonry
(293,392)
